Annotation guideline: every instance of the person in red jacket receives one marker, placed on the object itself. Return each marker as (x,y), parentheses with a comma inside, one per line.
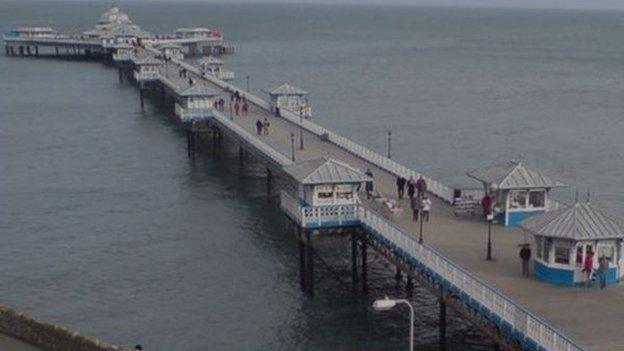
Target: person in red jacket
(588,267)
(486,204)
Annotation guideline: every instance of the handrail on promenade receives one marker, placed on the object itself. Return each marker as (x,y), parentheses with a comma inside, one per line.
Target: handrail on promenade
(519,318)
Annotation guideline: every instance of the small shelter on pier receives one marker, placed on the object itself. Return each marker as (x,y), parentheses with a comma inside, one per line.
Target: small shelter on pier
(33,32)
(286,96)
(195,103)
(123,52)
(172,50)
(518,192)
(214,66)
(564,237)
(198,33)
(325,194)
(147,69)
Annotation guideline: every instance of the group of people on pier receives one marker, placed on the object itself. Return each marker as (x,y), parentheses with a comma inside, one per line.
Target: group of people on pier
(262,127)
(239,103)
(420,203)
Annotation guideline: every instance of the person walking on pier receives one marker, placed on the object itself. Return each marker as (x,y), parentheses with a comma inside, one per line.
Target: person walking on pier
(245,106)
(369,186)
(415,203)
(588,267)
(411,187)
(603,268)
(400,183)
(425,205)
(525,256)
(259,127)
(265,126)
(236,107)
(421,186)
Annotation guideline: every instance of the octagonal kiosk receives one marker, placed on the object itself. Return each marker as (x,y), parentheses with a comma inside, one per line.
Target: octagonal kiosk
(518,192)
(195,104)
(214,66)
(173,51)
(287,97)
(324,194)
(564,237)
(147,69)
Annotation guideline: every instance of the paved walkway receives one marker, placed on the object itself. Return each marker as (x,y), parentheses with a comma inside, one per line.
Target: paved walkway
(590,317)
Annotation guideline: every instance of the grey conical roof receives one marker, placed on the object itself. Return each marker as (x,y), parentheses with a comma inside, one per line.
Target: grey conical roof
(198,90)
(581,221)
(287,89)
(325,171)
(514,175)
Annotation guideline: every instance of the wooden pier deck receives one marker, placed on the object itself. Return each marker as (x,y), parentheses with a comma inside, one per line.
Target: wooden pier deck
(590,317)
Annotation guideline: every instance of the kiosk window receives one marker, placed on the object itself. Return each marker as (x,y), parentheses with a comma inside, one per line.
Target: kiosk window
(517,199)
(537,198)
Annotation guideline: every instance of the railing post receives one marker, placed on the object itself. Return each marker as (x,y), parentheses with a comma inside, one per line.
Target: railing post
(354,255)
(364,247)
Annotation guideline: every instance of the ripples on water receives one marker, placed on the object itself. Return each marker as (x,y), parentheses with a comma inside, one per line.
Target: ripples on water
(107,228)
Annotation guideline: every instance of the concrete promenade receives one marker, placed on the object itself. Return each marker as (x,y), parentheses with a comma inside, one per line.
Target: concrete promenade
(9,344)
(591,317)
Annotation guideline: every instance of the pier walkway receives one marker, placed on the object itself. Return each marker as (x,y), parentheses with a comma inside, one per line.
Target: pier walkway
(589,317)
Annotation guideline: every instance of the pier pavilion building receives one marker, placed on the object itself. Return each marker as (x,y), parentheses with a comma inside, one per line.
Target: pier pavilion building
(214,66)
(286,96)
(325,194)
(518,191)
(564,237)
(196,104)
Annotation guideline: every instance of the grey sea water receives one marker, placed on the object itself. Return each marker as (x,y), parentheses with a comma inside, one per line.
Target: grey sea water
(106,227)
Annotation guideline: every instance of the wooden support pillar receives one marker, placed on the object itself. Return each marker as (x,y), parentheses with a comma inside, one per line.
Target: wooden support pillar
(215,135)
(12,50)
(142,96)
(36,51)
(188,143)
(56,50)
(241,153)
(28,52)
(364,247)
(120,73)
(269,181)
(442,323)
(410,286)
(21,50)
(6,49)
(163,95)
(302,263)
(309,264)
(398,276)
(354,256)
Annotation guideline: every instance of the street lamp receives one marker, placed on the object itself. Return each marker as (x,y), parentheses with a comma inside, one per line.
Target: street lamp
(247,78)
(387,304)
(420,234)
(489,218)
(301,110)
(292,146)
(389,144)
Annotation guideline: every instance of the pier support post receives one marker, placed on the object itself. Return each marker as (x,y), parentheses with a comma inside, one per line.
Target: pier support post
(302,263)
(269,181)
(12,50)
(309,264)
(442,323)
(190,143)
(6,49)
(120,71)
(398,277)
(28,52)
(142,96)
(364,247)
(56,50)
(354,255)
(410,286)
(36,51)
(21,50)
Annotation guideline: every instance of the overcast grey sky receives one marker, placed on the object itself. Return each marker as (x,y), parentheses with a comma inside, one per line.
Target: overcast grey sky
(563,4)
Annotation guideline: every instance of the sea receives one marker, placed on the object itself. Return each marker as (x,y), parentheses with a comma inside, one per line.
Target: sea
(106,227)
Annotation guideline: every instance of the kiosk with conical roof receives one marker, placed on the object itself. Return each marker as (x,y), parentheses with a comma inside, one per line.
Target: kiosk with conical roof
(565,237)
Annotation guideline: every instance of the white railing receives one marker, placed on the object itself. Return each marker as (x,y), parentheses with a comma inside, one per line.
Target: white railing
(319,216)
(190,113)
(518,318)
(225,75)
(246,137)
(122,56)
(140,76)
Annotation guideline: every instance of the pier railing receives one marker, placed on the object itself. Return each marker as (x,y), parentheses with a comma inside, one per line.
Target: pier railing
(530,330)
(320,216)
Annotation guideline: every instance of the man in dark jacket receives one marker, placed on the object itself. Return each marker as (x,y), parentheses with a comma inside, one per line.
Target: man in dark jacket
(421,186)
(525,255)
(400,183)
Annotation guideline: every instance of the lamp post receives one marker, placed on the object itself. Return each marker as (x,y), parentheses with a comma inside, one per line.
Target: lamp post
(301,110)
(389,144)
(292,146)
(490,217)
(247,79)
(420,233)
(387,304)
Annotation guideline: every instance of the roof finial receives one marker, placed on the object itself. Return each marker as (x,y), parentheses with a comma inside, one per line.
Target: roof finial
(576,196)
(587,196)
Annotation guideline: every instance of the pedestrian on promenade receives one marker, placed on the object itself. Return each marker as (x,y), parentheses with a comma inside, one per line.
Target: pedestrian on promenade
(588,267)
(236,107)
(603,268)
(421,186)
(425,205)
(400,183)
(259,127)
(221,104)
(245,107)
(138,347)
(525,256)
(411,187)
(486,204)
(415,204)
(369,184)
(265,126)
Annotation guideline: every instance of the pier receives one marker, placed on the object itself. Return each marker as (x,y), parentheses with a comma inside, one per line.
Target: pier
(445,255)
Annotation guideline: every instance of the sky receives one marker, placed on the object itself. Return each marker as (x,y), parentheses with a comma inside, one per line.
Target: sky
(562,4)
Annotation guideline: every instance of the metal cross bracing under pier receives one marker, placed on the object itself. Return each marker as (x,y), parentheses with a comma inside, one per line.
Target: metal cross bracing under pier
(449,262)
